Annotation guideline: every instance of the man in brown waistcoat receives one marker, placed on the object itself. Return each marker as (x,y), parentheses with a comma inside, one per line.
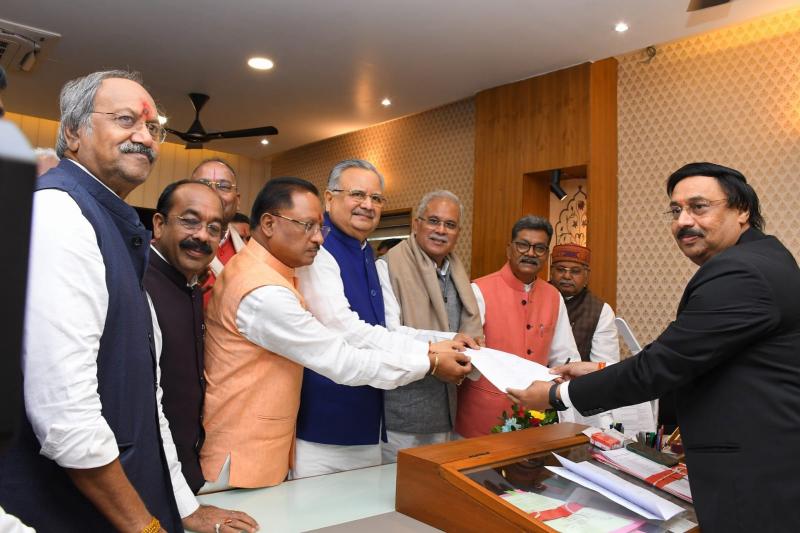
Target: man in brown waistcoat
(433,292)
(592,320)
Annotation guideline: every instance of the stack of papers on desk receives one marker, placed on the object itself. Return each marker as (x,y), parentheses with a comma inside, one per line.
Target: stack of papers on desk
(649,471)
(637,499)
(505,370)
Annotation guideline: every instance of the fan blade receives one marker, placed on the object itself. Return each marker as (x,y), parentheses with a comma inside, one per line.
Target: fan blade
(250,132)
(696,5)
(187,136)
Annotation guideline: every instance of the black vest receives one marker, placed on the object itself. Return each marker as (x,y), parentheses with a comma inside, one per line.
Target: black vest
(179,309)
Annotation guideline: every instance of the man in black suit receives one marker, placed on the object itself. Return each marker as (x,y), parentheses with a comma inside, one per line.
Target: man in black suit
(732,357)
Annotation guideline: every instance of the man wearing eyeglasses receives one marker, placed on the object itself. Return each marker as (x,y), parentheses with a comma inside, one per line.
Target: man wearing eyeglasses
(261,335)
(187,228)
(731,357)
(341,428)
(95,452)
(426,287)
(220,176)
(522,315)
(592,320)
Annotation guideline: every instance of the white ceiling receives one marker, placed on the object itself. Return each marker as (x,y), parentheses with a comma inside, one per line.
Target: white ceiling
(335,59)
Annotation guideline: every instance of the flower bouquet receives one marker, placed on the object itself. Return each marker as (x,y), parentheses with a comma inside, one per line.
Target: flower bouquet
(522,419)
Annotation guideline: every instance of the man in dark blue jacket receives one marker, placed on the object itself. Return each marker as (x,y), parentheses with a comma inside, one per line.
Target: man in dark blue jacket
(95,452)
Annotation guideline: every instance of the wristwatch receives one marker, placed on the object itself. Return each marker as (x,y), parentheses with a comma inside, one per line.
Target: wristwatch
(556,402)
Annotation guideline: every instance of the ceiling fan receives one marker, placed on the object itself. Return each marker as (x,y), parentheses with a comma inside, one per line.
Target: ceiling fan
(196,135)
(697,5)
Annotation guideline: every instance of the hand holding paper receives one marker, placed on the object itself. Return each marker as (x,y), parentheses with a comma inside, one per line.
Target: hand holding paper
(505,370)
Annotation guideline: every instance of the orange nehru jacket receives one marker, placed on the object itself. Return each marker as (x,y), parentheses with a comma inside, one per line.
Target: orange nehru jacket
(518,322)
(252,394)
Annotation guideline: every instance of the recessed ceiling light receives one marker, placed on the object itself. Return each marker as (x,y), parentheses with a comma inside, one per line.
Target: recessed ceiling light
(260,63)
(162,119)
(386,102)
(264,142)
(621,27)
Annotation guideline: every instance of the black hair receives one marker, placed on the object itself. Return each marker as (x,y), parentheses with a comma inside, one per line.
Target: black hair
(532,222)
(3,80)
(740,194)
(277,194)
(241,217)
(165,201)
(388,244)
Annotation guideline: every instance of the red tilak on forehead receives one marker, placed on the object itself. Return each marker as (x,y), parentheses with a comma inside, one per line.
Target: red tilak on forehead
(146,110)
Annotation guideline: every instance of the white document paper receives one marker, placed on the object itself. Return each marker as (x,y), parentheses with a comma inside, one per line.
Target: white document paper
(642,468)
(625,493)
(505,370)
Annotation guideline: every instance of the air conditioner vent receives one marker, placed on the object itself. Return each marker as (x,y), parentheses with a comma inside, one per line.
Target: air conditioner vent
(22,47)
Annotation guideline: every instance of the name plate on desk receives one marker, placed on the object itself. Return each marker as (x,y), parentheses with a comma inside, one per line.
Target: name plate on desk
(502,482)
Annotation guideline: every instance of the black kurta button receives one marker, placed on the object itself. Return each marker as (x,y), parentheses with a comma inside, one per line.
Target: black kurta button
(136,241)
(527,326)
(524,302)
(530,351)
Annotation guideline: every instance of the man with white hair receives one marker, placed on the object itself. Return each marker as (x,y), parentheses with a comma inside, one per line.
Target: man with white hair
(95,451)
(426,287)
(341,427)
(46,158)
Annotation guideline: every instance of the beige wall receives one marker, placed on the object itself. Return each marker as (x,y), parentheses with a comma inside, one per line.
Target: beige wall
(416,154)
(731,97)
(174,162)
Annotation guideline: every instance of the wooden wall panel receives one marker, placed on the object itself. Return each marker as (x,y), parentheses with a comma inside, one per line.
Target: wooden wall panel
(601,180)
(558,120)
(174,163)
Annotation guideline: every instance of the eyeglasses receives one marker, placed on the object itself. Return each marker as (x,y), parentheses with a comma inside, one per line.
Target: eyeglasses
(129,122)
(361,196)
(538,249)
(309,227)
(214,229)
(222,185)
(698,208)
(434,223)
(574,271)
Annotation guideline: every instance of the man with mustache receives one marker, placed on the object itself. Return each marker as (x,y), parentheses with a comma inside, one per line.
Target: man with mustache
(592,319)
(95,452)
(187,228)
(731,356)
(340,428)
(261,335)
(426,287)
(522,315)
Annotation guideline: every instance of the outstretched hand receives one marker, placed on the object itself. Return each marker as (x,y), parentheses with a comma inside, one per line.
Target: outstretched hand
(211,519)
(536,396)
(574,370)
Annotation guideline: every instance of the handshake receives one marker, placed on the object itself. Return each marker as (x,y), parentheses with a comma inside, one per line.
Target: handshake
(447,360)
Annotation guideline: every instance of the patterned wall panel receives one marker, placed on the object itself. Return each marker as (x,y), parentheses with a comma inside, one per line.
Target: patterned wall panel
(416,154)
(174,163)
(731,97)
